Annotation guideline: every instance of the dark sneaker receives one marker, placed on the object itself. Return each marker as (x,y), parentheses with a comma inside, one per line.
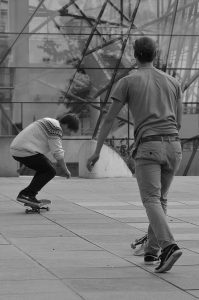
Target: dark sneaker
(27,199)
(168,257)
(150,259)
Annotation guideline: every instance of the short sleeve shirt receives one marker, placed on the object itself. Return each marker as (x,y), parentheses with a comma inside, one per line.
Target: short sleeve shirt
(152,96)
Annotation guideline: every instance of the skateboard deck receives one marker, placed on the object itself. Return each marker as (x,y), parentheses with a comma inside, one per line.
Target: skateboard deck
(35,208)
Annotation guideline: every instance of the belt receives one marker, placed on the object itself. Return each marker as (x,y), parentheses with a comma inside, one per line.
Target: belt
(160,138)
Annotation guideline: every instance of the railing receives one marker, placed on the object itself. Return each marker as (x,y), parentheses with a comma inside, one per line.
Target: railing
(14,116)
(191,146)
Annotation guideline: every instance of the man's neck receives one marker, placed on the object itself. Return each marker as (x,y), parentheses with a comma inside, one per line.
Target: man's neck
(145,65)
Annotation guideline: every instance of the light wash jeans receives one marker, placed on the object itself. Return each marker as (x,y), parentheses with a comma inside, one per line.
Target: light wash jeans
(155,165)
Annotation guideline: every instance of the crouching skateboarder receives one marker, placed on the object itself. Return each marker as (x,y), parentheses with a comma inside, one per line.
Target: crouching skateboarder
(32,143)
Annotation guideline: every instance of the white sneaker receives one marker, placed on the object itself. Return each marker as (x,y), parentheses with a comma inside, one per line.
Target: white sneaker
(141,242)
(139,251)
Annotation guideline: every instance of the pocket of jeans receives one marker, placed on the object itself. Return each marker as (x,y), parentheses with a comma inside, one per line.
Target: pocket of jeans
(148,150)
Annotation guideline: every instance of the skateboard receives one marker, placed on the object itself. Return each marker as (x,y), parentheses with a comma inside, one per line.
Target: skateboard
(35,208)
(142,242)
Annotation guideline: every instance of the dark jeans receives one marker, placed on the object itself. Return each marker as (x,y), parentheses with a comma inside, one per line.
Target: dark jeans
(44,172)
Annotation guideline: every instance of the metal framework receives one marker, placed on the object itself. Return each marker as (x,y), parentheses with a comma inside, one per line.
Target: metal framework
(104,31)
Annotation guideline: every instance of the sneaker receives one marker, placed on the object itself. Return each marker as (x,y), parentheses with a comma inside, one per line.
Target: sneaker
(142,242)
(27,199)
(139,251)
(168,257)
(150,259)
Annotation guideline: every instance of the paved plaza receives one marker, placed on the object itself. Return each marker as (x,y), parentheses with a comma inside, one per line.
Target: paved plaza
(80,249)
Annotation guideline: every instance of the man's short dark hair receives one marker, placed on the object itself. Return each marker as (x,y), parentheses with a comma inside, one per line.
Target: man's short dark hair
(71,120)
(145,49)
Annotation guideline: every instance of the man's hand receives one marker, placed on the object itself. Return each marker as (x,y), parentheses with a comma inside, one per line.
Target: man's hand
(64,170)
(67,174)
(91,162)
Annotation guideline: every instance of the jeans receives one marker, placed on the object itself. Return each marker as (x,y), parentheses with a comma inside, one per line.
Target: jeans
(44,172)
(156,163)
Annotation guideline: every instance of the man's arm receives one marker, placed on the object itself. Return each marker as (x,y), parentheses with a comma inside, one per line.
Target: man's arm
(58,153)
(104,131)
(179,113)
(63,167)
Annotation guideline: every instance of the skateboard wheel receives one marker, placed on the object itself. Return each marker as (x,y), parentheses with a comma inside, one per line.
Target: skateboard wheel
(27,211)
(47,208)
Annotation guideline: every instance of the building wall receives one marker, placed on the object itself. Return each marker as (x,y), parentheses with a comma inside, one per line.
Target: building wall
(8,166)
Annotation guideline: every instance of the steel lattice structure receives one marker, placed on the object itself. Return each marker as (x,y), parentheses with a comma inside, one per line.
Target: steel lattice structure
(94,39)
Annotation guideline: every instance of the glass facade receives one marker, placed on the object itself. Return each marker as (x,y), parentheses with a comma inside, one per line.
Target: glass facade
(66,55)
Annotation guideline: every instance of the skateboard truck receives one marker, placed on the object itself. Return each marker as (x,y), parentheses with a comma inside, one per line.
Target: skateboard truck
(36,208)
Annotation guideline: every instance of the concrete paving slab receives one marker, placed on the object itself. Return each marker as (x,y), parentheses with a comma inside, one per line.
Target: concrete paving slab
(135,219)
(175,226)
(3,241)
(32,230)
(187,280)
(102,203)
(49,244)
(194,293)
(20,218)
(101,229)
(42,296)
(80,249)
(81,258)
(128,288)
(79,272)
(32,287)
(10,272)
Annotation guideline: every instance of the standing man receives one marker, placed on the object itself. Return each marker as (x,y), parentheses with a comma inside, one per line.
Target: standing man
(154,100)
(32,143)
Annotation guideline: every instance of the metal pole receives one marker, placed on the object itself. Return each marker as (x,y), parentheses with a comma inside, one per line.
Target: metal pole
(18,36)
(116,68)
(88,43)
(172,28)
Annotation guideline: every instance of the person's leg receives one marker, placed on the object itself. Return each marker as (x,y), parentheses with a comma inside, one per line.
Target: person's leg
(152,245)
(168,169)
(44,173)
(148,174)
(157,165)
(166,180)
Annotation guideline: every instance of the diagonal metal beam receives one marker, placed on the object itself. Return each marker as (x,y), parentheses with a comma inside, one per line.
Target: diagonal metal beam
(93,104)
(104,45)
(186,6)
(106,87)
(8,118)
(117,67)
(87,19)
(194,151)
(191,80)
(119,11)
(171,34)
(18,36)
(88,43)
